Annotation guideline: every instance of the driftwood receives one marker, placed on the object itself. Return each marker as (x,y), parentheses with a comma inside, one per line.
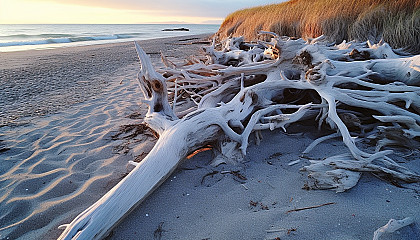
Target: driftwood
(311,207)
(392,226)
(241,88)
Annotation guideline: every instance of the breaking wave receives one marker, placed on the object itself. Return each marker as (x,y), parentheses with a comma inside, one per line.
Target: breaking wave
(59,38)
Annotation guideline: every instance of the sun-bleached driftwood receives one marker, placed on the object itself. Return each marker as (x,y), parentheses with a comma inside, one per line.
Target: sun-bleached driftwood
(392,226)
(241,88)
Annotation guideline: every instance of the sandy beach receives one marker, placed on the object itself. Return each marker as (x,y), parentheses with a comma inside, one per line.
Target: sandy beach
(59,111)
(60,115)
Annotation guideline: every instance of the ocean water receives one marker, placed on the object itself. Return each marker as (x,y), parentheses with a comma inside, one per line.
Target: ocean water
(21,37)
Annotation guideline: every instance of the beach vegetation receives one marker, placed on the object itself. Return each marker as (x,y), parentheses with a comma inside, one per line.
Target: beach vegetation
(395,21)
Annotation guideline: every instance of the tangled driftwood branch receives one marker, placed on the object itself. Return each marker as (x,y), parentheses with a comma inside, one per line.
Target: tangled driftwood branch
(241,88)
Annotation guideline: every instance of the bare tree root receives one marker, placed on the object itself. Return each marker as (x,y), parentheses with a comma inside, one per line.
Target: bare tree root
(245,87)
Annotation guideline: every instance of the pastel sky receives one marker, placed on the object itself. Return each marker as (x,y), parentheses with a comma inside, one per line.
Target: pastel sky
(121,11)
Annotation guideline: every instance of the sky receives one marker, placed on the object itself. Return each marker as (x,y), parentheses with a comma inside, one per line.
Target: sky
(120,11)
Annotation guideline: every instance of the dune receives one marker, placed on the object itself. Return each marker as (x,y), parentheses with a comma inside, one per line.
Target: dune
(397,22)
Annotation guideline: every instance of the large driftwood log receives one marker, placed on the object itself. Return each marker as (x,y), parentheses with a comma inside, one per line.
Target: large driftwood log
(246,87)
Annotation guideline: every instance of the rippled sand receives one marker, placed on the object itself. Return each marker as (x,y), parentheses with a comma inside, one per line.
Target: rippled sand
(59,160)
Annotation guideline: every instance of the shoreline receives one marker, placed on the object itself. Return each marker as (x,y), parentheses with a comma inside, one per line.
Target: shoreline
(22,37)
(37,83)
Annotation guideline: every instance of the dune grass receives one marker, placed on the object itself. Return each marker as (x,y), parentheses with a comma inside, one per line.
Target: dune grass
(396,21)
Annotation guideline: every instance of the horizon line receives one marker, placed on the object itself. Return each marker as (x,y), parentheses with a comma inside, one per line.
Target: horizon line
(109,23)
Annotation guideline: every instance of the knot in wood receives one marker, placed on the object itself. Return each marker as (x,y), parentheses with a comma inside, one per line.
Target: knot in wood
(314,76)
(157,86)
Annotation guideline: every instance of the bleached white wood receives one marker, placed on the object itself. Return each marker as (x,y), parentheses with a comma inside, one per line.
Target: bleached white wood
(231,102)
(173,146)
(392,226)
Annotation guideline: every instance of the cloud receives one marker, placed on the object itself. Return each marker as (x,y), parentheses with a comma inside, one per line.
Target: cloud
(190,8)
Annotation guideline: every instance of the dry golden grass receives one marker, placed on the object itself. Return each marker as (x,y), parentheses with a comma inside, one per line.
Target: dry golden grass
(396,21)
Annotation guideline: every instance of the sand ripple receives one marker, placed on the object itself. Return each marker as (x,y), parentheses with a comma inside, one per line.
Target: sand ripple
(59,165)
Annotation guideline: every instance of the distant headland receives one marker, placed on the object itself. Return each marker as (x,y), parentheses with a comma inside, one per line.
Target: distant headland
(175,29)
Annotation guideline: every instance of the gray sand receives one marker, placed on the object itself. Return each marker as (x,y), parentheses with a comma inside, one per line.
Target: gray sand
(59,111)
(36,83)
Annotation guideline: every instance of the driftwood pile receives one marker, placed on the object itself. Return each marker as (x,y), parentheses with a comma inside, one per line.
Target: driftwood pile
(357,89)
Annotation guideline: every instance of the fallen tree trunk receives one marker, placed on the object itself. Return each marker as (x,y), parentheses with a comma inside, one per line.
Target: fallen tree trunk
(177,139)
(228,103)
(173,145)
